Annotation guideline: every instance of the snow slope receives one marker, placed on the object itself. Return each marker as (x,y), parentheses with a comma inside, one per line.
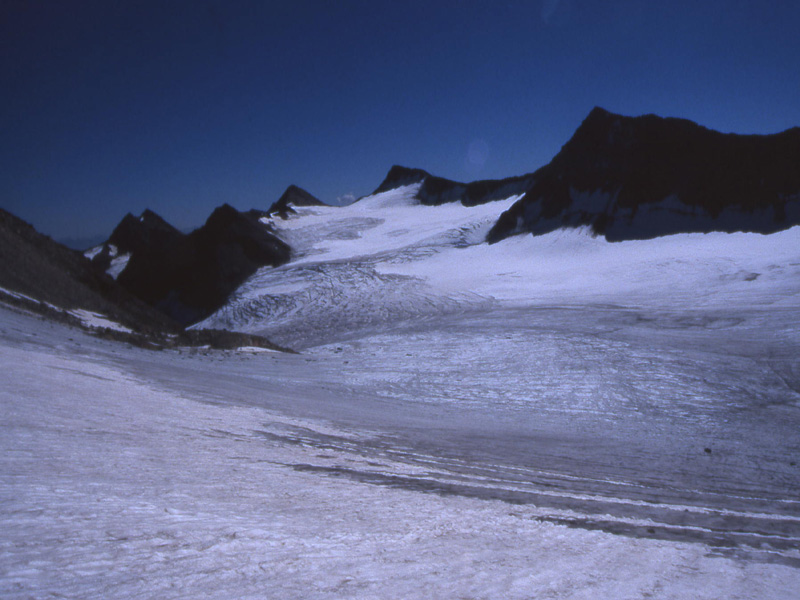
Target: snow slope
(333,285)
(132,474)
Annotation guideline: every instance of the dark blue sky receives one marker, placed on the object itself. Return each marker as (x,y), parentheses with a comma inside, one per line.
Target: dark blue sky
(179,106)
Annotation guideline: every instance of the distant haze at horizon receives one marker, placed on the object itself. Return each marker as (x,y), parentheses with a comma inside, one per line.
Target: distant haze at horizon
(185,106)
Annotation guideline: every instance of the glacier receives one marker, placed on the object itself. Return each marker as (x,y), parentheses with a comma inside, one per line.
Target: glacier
(553,416)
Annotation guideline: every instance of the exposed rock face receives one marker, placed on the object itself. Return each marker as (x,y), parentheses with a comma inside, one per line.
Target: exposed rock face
(148,233)
(40,268)
(643,177)
(135,235)
(399,176)
(293,196)
(189,276)
(437,190)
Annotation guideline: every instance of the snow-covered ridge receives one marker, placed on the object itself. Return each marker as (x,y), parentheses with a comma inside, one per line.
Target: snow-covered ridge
(334,282)
(389,222)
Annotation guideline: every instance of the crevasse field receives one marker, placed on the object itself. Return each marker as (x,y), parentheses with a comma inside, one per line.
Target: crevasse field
(547,417)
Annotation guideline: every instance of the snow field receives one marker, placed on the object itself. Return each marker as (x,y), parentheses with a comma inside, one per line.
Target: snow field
(386,260)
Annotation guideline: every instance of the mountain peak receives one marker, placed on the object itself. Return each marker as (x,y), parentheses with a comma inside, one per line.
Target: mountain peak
(187,276)
(226,218)
(40,268)
(225,212)
(436,190)
(148,216)
(293,196)
(599,113)
(299,197)
(399,176)
(135,233)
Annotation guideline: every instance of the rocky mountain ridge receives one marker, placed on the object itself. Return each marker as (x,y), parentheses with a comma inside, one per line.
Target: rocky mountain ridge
(638,178)
(39,268)
(434,190)
(293,196)
(42,276)
(644,177)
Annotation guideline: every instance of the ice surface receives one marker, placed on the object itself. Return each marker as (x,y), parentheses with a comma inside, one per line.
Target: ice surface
(640,382)
(131,474)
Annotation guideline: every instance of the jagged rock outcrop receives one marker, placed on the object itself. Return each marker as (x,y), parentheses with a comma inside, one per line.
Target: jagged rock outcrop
(188,276)
(135,234)
(399,176)
(147,233)
(643,177)
(437,190)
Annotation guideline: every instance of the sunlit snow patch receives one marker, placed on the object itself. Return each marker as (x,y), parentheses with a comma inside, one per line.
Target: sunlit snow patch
(254,349)
(118,261)
(118,265)
(97,321)
(19,296)
(87,318)
(92,252)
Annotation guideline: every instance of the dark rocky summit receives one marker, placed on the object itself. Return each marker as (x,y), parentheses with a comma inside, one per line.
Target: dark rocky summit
(644,177)
(137,234)
(148,233)
(293,196)
(437,190)
(399,176)
(188,276)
